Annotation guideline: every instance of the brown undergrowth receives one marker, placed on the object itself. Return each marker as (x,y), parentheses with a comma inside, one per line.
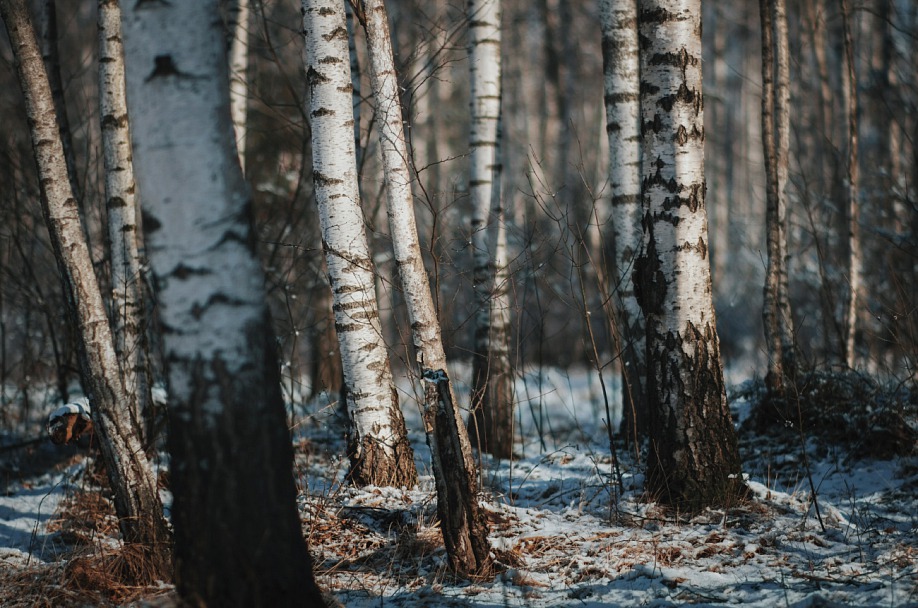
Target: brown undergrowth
(98,569)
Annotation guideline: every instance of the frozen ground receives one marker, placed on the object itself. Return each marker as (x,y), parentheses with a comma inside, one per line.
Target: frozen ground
(567,534)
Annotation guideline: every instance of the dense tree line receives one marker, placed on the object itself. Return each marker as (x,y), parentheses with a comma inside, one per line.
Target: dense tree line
(335,192)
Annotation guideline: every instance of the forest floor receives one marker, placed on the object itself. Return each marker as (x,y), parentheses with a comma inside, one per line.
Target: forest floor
(826,524)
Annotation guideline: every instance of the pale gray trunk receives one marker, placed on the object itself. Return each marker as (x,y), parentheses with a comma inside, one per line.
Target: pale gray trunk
(238,536)
(621,66)
(130,474)
(239,67)
(849,80)
(462,523)
(128,310)
(778,322)
(491,397)
(694,460)
(378,444)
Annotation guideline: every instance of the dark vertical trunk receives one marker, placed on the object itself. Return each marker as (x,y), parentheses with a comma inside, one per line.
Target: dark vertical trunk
(461,520)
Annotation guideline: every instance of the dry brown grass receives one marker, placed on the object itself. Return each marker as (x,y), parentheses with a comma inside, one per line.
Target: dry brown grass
(99,570)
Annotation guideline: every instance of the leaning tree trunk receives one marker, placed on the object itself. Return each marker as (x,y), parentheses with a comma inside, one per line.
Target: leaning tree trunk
(461,521)
(776,314)
(693,461)
(378,442)
(128,310)
(621,66)
(239,79)
(238,536)
(130,474)
(849,79)
(491,418)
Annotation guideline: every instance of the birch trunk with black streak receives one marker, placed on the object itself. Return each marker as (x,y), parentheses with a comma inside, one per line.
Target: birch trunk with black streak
(377,443)
(239,68)
(693,461)
(464,529)
(491,417)
(849,84)
(776,315)
(621,66)
(238,536)
(128,309)
(132,479)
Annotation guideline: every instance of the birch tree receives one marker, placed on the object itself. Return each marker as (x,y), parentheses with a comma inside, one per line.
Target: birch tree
(693,461)
(238,537)
(491,418)
(621,66)
(377,438)
(778,322)
(239,68)
(128,310)
(852,175)
(461,520)
(140,514)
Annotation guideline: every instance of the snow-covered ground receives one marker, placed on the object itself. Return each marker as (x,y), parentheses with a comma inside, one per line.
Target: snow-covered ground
(568,535)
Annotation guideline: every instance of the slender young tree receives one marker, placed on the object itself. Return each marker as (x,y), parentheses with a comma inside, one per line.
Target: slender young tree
(128,310)
(694,460)
(238,536)
(491,418)
(776,315)
(378,442)
(461,521)
(131,477)
(852,170)
(621,66)
(238,27)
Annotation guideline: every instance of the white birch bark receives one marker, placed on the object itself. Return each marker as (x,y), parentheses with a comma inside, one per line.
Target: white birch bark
(621,65)
(238,540)
(378,445)
(130,474)
(128,311)
(488,422)
(693,461)
(454,469)
(239,67)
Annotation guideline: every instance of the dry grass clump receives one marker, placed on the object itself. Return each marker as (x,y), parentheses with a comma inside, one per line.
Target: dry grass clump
(99,570)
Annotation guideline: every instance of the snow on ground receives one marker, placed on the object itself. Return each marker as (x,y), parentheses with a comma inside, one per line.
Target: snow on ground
(567,534)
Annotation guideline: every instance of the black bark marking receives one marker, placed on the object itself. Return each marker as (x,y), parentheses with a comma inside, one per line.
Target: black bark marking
(323,181)
(313,77)
(338,32)
(648,278)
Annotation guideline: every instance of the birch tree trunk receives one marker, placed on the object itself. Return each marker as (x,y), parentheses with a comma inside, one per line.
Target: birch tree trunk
(849,80)
(621,66)
(238,536)
(461,521)
(491,417)
(130,475)
(239,68)
(128,309)
(693,461)
(776,315)
(377,443)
